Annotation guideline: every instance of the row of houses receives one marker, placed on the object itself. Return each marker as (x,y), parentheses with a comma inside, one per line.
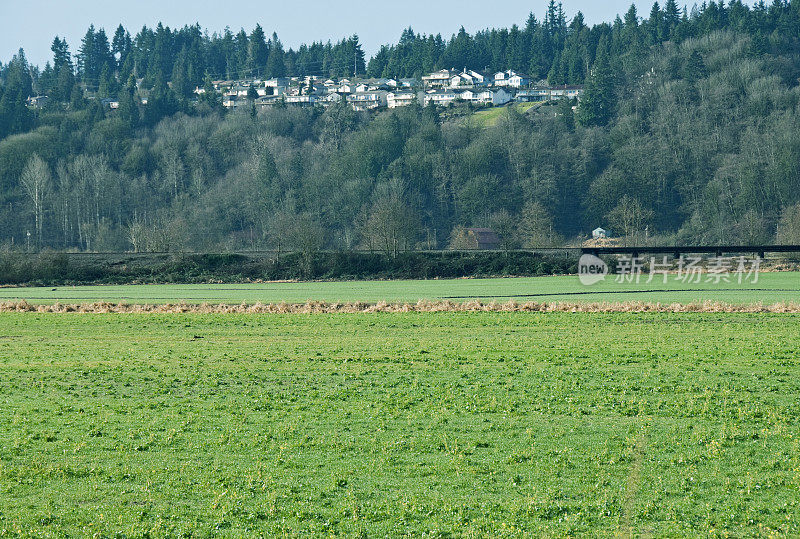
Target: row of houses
(469,78)
(442,88)
(370,94)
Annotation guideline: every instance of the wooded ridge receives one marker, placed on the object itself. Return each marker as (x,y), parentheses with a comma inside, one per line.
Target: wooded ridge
(686,133)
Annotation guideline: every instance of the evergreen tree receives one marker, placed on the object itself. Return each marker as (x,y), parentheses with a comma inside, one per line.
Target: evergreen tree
(121,47)
(128,107)
(597,105)
(275,62)
(670,19)
(60,88)
(107,83)
(88,71)
(15,117)
(242,46)
(65,81)
(695,68)
(258,51)
(655,24)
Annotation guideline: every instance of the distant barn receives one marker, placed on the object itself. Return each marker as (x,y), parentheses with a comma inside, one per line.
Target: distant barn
(481,239)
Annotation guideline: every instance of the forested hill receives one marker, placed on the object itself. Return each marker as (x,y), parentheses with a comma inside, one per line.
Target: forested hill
(687,132)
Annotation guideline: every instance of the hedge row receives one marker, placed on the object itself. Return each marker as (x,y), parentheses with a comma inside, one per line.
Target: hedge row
(51,269)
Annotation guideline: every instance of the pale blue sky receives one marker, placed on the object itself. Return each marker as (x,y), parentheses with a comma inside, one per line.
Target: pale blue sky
(32,24)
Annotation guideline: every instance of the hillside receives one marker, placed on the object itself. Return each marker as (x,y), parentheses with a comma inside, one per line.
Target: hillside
(689,139)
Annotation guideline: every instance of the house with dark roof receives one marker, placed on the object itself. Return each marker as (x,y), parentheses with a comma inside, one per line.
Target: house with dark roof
(474,239)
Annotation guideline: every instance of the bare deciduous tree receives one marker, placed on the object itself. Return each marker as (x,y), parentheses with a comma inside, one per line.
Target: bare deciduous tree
(789,225)
(36,180)
(630,217)
(505,226)
(536,226)
(392,225)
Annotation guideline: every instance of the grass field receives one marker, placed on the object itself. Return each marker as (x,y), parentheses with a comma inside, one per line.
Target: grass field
(490,117)
(771,288)
(443,424)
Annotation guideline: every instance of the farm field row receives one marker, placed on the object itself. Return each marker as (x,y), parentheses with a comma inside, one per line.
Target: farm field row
(483,424)
(770,288)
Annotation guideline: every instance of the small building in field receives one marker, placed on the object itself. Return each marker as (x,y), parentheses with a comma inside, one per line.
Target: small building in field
(480,239)
(600,233)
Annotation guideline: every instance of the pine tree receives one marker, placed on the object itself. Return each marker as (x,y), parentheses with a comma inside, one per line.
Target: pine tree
(128,109)
(15,117)
(121,47)
(106,86)
(671,19)
(655,24)
(695,68)
(88,71)
(258,51)
(599,99)
(276,67)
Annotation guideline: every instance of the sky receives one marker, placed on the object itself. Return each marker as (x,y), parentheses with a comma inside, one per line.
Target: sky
(32,24)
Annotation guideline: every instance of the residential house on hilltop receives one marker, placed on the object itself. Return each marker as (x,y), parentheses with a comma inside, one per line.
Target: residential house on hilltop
(361,101)
(439,79)
(441,98)
(401,99)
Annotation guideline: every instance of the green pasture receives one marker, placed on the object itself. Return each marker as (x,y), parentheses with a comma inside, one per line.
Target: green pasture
(770,288)
(490,117)
(385,425)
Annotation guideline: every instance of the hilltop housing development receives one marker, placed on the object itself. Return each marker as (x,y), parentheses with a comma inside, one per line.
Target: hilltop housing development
(443,88)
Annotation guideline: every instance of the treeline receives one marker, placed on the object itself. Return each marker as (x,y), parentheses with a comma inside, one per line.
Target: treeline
(554,48)
(58,269)
(689,140)
(563,52)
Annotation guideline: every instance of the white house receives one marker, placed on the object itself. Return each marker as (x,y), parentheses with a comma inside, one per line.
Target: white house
(440,79)
(566,92)
(496,96)
(488,96)
(458,81)
(300,99)
(442,98)
(468,79)
(518,81)
(500,78)
(233,101)
(599,233)
(535,94)
(368,100)
(400,99)
(278,85)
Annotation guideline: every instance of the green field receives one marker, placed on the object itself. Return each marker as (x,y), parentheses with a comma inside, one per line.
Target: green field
(490,117)
(771,288)
(448,424)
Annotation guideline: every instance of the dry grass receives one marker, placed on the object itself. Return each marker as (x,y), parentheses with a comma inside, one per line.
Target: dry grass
(318,307)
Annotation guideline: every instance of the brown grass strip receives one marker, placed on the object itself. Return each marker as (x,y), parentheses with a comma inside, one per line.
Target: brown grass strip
(319,307)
